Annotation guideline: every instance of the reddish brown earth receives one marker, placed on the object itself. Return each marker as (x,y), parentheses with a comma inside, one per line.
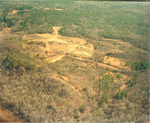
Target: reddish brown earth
(8,116)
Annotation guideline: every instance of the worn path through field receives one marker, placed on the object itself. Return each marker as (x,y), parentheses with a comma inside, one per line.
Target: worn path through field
(67,82)
(56,33)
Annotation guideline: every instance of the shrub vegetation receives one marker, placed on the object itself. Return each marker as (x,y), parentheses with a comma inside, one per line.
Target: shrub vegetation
(140,65)
(17,60)
(55,91)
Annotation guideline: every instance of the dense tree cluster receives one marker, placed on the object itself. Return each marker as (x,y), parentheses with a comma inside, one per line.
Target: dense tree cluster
(80,19)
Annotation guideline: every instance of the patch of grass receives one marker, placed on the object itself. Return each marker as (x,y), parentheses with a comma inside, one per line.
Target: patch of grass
(37,43)
(104,99)
(129,64)
(77,114)
(131,82)
(119,75)
(82,108)
(140,65)
(102,60)
(121,95)
(63,93)
(106,82)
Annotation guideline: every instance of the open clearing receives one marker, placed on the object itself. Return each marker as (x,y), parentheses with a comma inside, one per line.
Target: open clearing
(56,46)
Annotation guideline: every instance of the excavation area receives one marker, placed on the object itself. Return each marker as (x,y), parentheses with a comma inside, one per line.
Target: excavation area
(53,47)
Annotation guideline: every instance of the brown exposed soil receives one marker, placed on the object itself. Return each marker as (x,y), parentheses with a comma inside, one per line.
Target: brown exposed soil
(53,9)
(108,66)
(6,30)
(113,61)
(47,8)
(7,116)
(15,11)
(57,46)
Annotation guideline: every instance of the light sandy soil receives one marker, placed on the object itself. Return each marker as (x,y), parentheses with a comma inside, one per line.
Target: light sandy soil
(57,45)
(47,8)
(6,30)
(59,9)
(55,58)
(15,11)
(123,86)
(54,9)
(108,66)
(113,61)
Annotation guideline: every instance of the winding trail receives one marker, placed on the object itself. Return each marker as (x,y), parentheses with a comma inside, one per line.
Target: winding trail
(47,42)
(66,82)
(55,31)
(56,46)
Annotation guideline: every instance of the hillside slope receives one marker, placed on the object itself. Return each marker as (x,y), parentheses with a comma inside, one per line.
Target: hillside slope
(70,61)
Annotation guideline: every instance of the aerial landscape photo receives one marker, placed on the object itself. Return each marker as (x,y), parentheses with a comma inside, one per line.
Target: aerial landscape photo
(66,61)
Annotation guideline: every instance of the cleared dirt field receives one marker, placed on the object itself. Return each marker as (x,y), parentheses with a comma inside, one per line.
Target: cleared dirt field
(57,46)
